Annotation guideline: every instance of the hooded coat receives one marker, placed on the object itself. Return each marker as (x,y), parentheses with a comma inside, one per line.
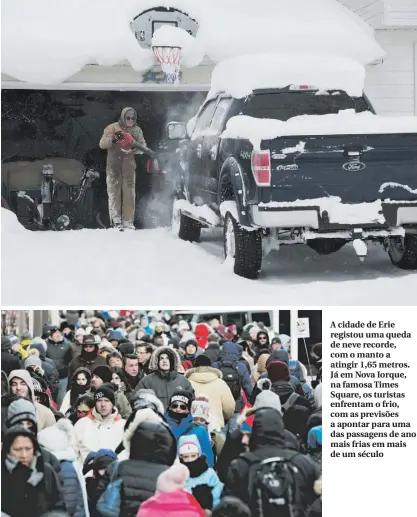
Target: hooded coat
(57,440)
(152,448)
(44,416)
(268,440)
(48,366)
(165,383)
(9,362)
(28,491)
(75,391)
(231,354)
(121,170)
(84,361)
(208,381)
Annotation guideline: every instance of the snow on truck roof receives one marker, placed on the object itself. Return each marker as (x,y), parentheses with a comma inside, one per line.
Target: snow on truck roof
(48,41)
(239,76)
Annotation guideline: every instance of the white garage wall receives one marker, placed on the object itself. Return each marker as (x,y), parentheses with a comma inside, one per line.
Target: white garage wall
(391,86)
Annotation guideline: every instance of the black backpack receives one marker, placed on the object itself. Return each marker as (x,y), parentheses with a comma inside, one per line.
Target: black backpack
(232,378)
(273,488)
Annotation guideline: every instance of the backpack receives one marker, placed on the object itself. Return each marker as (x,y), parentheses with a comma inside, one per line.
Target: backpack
(232,378)
(273,488)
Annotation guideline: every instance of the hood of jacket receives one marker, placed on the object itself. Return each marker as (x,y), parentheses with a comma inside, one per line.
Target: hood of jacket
(57,439)
(24,375)
(262,333)
(278,355)
(231,352)
(82,369)
(171,353)
(122,119)
(148,438)
(203,374)
(178,427)
(267,429)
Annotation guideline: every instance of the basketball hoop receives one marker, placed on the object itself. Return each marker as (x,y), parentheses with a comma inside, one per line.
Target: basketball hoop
(169,59)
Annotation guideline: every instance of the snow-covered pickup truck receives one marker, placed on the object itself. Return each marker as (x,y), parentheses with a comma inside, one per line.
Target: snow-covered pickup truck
(298,165)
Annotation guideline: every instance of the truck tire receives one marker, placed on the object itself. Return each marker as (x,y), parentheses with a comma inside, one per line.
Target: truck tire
(403,251)
(186,228)
(242,246)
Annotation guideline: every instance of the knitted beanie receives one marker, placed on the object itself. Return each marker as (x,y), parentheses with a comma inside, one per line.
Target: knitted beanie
(33,360)
(20,409)
(173,479)
(104,372)
(200,408)
(105,391)
(189,444)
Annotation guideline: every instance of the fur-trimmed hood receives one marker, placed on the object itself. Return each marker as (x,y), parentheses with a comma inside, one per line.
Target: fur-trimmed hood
(58,440)
(203,374)
(171,352)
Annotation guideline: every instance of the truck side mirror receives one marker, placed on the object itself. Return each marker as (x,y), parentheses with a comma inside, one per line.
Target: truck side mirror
(176,131)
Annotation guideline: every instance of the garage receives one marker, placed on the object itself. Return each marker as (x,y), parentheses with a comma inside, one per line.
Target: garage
(63,127)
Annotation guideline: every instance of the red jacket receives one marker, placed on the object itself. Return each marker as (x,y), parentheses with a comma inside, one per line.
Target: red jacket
(171,504)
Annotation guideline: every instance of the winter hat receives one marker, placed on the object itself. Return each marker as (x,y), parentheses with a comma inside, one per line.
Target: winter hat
(88,462)
(80,332)
(314,439)
(126,348)
(20,409)
(191,342)
(221,329)
(200,408)
(40,341)
(189,444)
(115,335)
(202,360)
(181,395)
(269,399)
(278,371)
(231,506)
(104,372)
(6,343)
(13,432)
(105,391)
(33,360)
(183,325)
(173,479)
(285,341)
(88,339)
(103,459)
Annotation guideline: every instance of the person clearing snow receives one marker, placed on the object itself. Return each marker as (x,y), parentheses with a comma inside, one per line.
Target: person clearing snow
(123,139)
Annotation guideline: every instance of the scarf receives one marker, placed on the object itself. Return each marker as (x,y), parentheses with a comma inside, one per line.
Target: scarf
(197,467)
(177,417)
(14,465)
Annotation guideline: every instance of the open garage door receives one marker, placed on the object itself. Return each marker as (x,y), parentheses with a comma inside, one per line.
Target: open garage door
(63,128)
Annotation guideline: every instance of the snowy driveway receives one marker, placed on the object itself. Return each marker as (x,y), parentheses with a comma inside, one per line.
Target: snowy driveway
(151,267)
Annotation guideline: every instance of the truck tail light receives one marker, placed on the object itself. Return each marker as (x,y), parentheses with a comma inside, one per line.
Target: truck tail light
(261,167)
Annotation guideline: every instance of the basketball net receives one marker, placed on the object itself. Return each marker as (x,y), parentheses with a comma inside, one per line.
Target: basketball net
(169,59)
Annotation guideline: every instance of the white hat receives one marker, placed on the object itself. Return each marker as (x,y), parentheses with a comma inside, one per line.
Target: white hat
(80,332)
(200,408)
(189,444)
(183,325)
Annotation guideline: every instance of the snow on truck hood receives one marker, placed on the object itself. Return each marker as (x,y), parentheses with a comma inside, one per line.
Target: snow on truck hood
(346,122)
(48,41)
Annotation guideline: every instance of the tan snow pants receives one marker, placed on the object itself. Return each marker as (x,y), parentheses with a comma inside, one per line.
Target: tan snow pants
(121,180)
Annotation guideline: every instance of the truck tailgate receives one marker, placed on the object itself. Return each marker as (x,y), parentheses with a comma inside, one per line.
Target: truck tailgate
(356,168)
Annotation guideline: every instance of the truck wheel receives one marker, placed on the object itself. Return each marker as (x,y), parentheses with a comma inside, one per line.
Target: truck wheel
(403,251)
(186,228)
(242,246)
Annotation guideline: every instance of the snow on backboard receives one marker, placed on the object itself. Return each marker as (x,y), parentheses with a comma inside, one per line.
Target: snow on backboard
(145,24)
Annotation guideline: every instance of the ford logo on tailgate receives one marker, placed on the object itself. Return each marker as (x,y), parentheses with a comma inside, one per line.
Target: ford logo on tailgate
(354,166)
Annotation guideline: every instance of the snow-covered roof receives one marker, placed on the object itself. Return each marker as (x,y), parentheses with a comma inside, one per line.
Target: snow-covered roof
(48,41)
(239,76)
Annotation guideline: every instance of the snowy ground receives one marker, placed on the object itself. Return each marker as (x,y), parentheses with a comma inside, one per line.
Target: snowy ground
(151,267)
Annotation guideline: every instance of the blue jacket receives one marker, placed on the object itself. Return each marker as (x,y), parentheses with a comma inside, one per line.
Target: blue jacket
(231,354)
(201,432)
(209,478)
(71,490)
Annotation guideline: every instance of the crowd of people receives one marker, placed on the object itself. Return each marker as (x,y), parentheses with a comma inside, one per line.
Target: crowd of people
(143,415)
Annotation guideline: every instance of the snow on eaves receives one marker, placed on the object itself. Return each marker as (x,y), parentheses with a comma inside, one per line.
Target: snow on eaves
(48,41)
